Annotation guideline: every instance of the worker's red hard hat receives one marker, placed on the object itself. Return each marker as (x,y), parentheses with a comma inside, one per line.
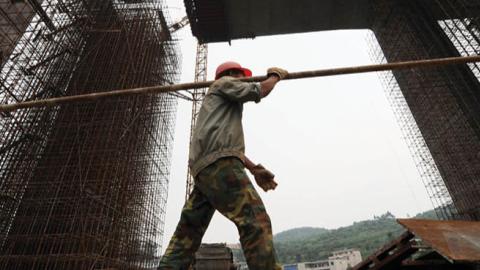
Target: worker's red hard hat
(232,65)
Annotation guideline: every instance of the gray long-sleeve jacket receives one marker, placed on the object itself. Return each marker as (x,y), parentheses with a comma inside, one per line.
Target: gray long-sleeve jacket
(219,132)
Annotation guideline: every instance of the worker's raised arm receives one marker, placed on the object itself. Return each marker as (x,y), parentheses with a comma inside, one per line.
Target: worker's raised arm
(274,76)
(264,178)
(235,90)
(232,89)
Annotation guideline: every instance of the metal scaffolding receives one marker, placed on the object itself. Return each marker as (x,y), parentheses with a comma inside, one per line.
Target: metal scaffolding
(84,186)
(198,95)
(15,17)
(438,109)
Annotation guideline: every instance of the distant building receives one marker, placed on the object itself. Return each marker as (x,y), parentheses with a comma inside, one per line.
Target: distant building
(235,246)
(238,257)
(241,265)
(340,260)
(318,265)
(352,256)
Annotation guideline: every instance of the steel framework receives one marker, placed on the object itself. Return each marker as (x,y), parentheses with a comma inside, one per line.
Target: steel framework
(439,108)
(14,20)
(84,186)
(197,96)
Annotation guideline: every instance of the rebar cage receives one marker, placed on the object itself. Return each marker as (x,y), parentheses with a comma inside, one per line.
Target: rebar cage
(84,186)
(438,109)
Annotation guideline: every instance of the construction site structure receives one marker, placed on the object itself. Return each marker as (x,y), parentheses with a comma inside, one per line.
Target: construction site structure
(438,108)
(15,16)
(84,186)
(198,95)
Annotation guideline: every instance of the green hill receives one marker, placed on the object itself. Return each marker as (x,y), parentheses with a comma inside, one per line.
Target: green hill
(310,244)
(298,234)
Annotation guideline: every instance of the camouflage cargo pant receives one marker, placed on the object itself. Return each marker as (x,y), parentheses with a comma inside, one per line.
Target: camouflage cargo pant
(223,186)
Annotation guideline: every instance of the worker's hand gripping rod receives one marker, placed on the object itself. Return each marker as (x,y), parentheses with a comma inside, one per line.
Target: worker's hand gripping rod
(186,86)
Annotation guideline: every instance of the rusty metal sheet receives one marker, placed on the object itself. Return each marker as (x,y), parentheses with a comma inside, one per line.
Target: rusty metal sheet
(391,255)
(457,241)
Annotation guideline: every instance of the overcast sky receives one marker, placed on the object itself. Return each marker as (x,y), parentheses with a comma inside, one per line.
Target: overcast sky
(333,143)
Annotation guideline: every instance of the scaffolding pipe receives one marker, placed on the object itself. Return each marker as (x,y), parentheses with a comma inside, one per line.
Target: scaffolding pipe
(195,85)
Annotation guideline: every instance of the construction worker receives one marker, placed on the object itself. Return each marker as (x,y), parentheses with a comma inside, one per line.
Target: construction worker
(217,162)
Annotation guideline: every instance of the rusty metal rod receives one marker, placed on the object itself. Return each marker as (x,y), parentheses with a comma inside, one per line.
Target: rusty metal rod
(186,86)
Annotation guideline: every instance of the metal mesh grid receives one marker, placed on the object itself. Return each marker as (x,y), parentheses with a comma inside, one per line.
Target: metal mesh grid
(14,19)
(437,108)
(198,95)
(84,186)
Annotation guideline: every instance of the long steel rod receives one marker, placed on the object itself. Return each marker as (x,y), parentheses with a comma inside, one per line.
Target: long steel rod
(186,86)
